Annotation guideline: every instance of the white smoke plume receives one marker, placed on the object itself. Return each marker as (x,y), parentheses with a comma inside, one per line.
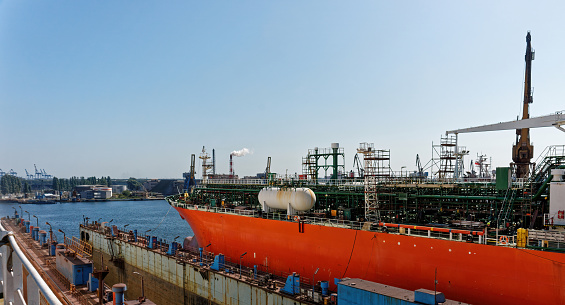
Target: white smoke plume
(240,153)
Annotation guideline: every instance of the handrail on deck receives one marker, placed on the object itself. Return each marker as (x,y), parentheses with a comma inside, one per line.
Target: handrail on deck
(41,284)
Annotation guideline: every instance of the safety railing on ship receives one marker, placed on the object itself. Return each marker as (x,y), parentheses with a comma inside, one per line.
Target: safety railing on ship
(546,239)
(14,268)
(358,183)
(238,181)
(432,232)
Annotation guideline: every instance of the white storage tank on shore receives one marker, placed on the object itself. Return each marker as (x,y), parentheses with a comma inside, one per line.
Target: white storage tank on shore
(300,198)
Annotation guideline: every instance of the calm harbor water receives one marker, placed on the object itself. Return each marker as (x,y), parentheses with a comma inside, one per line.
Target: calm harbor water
(142,215)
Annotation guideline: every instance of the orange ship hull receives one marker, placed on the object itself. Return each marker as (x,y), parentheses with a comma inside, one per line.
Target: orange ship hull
(466,272)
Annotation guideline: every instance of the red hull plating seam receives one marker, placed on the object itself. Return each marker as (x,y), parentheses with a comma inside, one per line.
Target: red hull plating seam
(466,272)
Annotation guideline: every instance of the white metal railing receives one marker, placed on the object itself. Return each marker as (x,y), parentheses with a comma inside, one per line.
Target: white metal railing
(16,271)
(520,182)
(429,232)
(552,235)
(550,151)
(358,182)
(238,181)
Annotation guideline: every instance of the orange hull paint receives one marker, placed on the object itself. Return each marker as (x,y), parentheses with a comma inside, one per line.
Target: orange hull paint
(466,272)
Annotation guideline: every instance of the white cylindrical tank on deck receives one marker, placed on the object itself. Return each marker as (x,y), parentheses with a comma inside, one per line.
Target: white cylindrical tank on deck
(558,174)
(300,198)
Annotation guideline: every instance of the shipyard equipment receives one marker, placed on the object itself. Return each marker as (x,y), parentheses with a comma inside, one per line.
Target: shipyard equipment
(333,158)
(268,168)
(75,268)
(37,173)
(523,151)
(189,181)
(292,285)
(357,165)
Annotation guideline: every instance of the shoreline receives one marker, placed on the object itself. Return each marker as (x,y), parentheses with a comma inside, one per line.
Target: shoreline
(37,201)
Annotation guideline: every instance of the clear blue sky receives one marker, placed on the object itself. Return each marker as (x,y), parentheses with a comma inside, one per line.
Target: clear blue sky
(132,88)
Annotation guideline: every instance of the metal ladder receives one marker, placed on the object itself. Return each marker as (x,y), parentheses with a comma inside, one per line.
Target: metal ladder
(506,207)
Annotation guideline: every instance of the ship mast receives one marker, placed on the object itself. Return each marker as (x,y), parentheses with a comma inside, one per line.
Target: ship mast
(523,151)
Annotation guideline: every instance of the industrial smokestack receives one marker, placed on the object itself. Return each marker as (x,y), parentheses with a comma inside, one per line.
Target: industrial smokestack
(231,166)
(213,161)
(238,153)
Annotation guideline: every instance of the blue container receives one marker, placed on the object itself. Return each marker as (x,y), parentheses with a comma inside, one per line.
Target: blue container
(35,233)
(134,236)
(42,238)
(430,297)
(325,287)
(27,224)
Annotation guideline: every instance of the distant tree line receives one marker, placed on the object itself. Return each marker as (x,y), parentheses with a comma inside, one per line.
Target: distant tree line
(12,185)
(63,184)
(134,185)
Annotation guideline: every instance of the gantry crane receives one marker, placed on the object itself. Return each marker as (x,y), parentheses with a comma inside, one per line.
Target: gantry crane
(522,151)
(37,173)
(45,175)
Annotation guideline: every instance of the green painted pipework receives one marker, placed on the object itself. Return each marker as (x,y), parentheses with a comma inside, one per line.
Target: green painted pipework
(545,184)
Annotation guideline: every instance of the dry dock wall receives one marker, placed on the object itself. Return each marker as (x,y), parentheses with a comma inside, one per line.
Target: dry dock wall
(168,281)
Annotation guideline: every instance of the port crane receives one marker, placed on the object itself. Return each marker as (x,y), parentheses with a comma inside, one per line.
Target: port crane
(522,151)
(37,173)
(45,175)
(420,173)
(29,176)
(357,164)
